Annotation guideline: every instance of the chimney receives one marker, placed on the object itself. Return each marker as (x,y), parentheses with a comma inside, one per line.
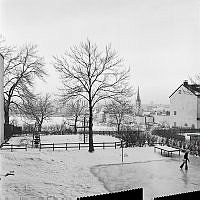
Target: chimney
(185,83)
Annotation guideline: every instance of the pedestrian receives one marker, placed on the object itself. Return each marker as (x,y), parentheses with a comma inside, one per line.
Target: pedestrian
(185,160)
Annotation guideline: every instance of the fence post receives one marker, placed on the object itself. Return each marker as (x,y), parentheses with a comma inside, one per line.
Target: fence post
(79,146)
(66,146)
(122,152)
(26,147)
(11,147)
(40,147)
(115,145)
(53,146)
(103,145)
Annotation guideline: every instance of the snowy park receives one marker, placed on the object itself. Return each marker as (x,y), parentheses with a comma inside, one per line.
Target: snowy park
(76,173)
(99,97)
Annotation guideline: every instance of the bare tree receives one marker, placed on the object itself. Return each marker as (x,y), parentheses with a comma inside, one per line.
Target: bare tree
(75,109)
(117,110)
(20,69)
(93,75)
(39,109)
(5,49)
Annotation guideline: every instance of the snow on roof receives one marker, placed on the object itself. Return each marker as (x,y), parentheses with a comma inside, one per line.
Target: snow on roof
(194,88)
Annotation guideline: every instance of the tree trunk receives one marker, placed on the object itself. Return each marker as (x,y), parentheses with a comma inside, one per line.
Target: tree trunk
(91,146)
(75,122)
(6,114)
(39,127)
(118,128)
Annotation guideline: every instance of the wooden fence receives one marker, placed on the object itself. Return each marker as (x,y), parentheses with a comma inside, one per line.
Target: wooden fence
(13,147)
(79,145)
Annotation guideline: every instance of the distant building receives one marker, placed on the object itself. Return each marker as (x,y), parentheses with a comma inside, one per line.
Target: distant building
(163,119)
(185,106)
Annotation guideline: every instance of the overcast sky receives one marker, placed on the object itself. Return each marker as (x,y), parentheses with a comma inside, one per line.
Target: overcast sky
(159,39)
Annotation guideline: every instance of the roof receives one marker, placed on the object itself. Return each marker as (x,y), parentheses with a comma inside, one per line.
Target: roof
(194,88)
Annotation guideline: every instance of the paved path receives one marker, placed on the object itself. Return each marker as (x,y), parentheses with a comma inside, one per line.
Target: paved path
(157,177)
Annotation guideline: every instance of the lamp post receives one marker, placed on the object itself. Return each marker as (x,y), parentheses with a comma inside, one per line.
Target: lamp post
(122,151)
(84,128)
(122,148)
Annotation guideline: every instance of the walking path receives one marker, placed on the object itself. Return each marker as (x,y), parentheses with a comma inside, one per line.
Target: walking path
(158,176)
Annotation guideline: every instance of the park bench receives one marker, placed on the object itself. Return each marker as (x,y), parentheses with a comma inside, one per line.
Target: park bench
(168,150)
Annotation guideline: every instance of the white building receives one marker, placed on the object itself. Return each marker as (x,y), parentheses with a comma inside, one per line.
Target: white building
(162,119)
(185,106)
(1,100)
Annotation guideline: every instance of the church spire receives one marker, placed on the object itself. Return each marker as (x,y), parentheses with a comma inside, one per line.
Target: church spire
(138,96)
(138,103)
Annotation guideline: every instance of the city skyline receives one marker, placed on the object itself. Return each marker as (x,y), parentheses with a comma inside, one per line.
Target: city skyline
(158,40)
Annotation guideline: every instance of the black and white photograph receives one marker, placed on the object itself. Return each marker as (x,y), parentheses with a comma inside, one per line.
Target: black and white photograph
(99,99)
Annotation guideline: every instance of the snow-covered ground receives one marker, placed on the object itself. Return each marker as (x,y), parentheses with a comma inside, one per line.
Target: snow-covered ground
(60,173)
(72,174)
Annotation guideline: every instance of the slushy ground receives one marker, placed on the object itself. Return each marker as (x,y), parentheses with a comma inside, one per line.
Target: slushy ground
(157,176)
(70,174)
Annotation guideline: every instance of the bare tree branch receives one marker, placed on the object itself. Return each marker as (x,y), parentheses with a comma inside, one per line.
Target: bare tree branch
(21,67)
(39,109)
(93,75)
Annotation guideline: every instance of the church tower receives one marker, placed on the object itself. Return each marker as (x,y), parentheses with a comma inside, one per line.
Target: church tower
(138,104)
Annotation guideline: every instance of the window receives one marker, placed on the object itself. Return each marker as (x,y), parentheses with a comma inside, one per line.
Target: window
(179,91)
(174,124)
(174,112)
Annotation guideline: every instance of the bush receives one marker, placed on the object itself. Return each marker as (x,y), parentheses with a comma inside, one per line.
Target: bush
(168,134)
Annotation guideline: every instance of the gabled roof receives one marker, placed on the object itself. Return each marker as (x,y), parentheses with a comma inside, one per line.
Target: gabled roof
(194,88)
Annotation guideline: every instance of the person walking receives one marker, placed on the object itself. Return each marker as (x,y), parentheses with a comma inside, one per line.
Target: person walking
(185,161)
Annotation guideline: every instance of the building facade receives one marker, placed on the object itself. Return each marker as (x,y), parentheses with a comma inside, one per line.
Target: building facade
(185,106)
